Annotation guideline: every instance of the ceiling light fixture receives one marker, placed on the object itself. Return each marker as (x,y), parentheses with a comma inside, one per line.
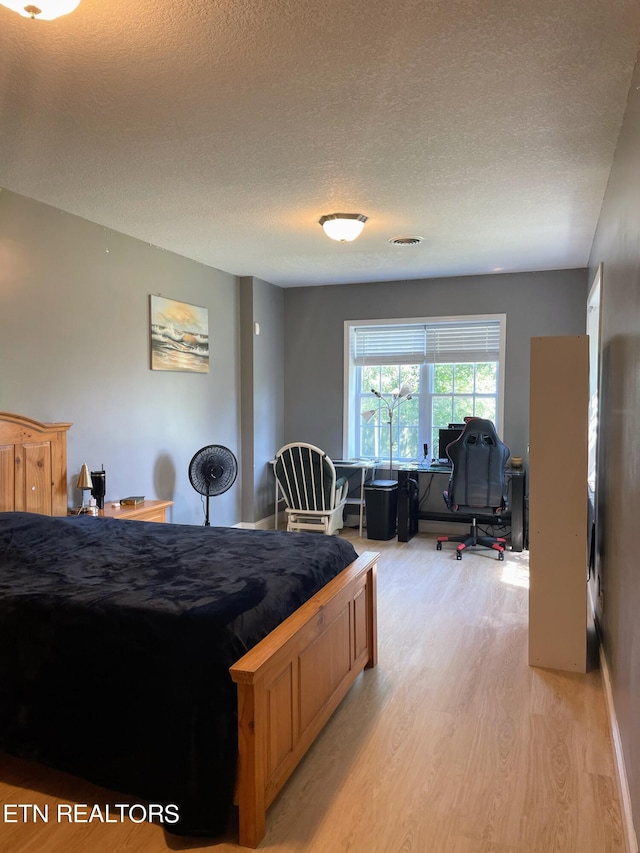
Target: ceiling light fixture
(45,10)
(343,227)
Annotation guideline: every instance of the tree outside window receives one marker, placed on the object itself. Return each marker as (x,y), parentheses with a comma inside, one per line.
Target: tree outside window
(460,391)
(440,394)
(374,428)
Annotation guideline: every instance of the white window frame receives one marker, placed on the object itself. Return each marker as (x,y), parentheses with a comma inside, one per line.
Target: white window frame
(349,418)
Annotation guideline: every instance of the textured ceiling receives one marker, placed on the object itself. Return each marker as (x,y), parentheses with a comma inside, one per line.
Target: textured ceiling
(224,129)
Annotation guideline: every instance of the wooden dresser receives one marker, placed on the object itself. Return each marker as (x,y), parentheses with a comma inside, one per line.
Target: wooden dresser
(146,511)
(33,465)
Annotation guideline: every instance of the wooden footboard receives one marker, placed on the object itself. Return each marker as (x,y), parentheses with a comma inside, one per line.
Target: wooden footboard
(292,681)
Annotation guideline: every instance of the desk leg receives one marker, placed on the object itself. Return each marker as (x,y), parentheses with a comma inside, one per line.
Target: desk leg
(362,481)
(407,507)
(517,513)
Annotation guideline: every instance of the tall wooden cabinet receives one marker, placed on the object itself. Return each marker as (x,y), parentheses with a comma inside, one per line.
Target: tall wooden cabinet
(33,466)
(558,548)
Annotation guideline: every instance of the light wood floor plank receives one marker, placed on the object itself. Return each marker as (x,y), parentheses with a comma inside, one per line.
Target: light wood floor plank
(453,744)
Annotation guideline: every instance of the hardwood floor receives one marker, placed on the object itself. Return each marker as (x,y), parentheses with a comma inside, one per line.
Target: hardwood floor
(453,744)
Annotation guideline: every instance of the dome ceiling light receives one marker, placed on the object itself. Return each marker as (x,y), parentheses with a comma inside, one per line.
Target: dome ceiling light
(44,10)
(343,227)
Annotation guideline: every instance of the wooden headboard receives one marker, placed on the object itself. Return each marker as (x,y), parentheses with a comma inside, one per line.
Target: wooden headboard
(33,466)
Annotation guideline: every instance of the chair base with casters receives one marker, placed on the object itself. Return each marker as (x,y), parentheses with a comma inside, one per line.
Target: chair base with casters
(472,539)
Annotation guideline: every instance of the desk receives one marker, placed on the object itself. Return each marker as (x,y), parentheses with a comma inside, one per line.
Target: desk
(516,515)
(363,465)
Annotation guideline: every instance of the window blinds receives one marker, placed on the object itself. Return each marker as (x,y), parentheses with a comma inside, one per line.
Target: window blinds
(430,343)
(389,344)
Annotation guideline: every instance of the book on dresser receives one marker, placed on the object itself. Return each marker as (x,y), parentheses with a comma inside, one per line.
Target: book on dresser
(132,500)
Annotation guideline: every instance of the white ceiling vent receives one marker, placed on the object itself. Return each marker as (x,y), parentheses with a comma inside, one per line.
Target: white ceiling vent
(405,241)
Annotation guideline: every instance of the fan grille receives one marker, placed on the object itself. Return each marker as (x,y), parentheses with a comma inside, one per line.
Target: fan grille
(213,470)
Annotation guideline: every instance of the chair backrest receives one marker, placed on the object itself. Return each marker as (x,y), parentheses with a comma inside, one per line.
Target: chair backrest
(479,458)
(307,477)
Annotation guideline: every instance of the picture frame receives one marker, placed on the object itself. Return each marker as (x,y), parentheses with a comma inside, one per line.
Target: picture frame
(179,334)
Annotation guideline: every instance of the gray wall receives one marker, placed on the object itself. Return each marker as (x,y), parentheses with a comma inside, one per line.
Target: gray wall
(262,394)
(617,246)
(538,303)
(74,346)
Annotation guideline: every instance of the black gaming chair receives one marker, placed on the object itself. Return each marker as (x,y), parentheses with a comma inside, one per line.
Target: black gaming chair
(477,484)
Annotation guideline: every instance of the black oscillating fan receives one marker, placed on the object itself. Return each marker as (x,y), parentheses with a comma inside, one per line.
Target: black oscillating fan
(212,471)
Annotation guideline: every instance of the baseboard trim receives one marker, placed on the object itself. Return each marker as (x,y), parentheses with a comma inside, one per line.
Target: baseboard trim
(263,524)
(631,839)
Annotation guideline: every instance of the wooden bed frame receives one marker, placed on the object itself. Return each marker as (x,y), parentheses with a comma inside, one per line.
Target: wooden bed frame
(288,685)
(293,680)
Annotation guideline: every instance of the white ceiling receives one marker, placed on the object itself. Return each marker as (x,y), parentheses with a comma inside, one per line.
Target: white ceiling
(224,129)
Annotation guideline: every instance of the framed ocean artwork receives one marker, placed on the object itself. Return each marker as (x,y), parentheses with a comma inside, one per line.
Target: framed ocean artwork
(179,336)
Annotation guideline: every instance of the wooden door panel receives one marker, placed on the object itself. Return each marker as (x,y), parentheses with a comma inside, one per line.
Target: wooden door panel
(7,478)
(37,477)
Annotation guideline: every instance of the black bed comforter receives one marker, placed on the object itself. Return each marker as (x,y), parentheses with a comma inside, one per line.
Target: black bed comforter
(116,639)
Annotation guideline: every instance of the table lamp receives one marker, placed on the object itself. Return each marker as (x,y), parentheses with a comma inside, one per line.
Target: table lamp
(84,483)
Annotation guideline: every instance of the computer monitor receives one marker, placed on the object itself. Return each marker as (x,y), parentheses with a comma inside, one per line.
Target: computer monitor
(445,437)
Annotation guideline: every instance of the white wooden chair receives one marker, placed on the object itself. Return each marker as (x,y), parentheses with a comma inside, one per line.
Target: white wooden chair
(315,498)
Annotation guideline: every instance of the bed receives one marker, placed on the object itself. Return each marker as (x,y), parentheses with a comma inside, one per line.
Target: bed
(116,641)
(174,663)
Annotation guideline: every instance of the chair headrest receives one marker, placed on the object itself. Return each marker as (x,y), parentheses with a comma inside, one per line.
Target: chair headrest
(479,458)
(480,431)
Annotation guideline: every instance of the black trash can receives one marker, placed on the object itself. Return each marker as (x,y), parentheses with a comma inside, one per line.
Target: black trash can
(381,505)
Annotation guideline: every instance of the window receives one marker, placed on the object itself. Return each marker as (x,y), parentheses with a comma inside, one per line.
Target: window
(453,367)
